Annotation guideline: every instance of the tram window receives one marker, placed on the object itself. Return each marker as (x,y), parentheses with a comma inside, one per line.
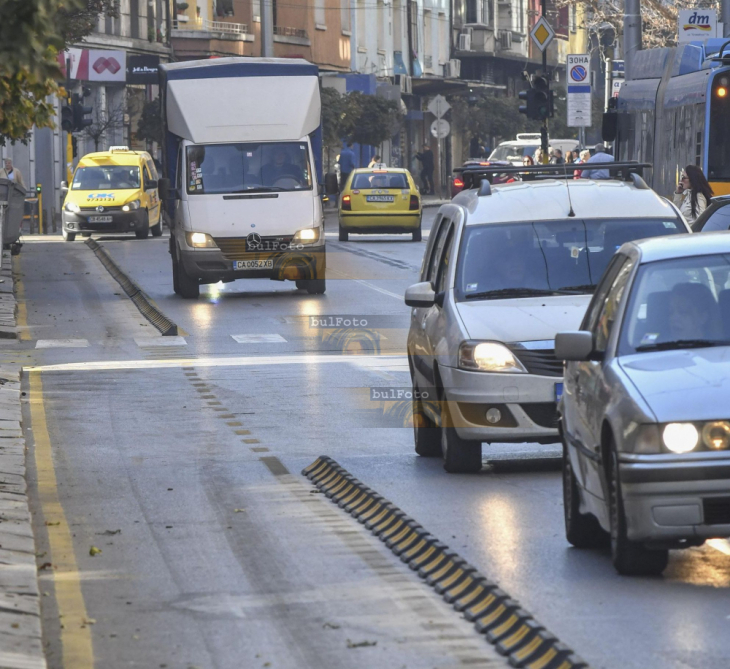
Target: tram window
(698,149)
(718,163)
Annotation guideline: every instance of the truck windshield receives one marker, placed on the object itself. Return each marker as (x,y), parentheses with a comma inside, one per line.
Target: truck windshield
(545,257)
(107,177)
(251,167)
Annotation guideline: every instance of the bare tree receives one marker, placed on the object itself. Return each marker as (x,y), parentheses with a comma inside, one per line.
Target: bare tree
(104,121)
(658,19)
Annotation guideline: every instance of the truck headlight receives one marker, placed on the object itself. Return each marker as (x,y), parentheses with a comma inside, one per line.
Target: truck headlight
(680,437)
(307,235)
(73,207)
(131,206)
(200,240)
(489,356)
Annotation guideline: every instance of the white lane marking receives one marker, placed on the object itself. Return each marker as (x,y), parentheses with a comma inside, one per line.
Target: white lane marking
(145,342)
(368,284)
(362,361)
(62,343)
(722,545)
(259,339)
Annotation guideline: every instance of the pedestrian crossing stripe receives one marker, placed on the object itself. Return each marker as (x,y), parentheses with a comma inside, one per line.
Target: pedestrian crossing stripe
(62,343)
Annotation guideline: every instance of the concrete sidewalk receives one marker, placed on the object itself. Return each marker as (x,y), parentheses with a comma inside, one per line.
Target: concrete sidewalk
(20,622)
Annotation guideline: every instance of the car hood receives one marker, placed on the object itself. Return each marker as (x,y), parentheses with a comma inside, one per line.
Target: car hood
(524,319)
(692,384)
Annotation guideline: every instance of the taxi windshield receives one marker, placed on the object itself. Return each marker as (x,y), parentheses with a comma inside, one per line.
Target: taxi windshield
(545,257)
(379,180)
(679,303)
(106,177)
(248,168)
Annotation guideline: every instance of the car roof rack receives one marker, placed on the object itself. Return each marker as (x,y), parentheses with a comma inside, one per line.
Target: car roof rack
(617,170)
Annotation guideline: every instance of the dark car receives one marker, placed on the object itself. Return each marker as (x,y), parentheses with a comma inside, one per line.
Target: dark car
(715,218)
(460,182)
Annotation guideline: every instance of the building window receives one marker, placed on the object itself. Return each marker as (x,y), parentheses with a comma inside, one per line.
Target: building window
(319,13)
(427,38)
(471,11)
(134,18)
(345,17)
(414,30)
(362,21)
(397,25)
(573,18)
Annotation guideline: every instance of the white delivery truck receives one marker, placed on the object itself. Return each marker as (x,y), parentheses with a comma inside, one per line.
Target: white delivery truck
(242,168)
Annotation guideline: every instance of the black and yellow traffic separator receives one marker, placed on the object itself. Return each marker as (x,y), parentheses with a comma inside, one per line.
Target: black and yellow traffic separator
(512,630)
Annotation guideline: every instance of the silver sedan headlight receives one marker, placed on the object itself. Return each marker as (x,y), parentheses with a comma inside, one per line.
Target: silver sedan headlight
(680,437)
(489,356)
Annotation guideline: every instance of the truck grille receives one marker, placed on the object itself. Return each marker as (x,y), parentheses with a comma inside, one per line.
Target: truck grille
(717,510)
(541,362)
(239,248)
(544,414)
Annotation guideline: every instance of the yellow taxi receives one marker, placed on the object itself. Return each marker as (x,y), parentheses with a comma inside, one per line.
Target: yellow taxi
(374,201)
(112,191)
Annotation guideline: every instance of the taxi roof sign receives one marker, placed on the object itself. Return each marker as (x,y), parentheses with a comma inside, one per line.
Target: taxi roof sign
(542,34)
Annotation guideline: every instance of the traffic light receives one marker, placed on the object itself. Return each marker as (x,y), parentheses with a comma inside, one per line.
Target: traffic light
(74,146)
(80,112)
(67,118)
(528,95)
(543,98)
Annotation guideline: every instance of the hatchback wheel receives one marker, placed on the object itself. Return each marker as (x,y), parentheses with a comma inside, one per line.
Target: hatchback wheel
(460,456)
(426,434)
(344,235)
(417,234)
(630,558)
(581,530)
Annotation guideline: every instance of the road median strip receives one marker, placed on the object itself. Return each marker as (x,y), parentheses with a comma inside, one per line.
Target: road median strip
(504,623)
(134,292)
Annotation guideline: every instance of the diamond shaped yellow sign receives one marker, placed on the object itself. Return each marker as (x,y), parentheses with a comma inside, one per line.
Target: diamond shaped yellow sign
(542,34)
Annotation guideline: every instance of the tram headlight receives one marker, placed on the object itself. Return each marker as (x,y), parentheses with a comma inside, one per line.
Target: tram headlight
(721,91)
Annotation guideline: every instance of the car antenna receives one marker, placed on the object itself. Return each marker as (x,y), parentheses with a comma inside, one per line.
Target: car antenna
(571,213)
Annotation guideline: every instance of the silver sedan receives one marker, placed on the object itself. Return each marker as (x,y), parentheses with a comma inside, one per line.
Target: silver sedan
(645,416)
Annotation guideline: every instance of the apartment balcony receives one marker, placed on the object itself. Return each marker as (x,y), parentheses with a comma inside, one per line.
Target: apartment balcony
(288,35)
(201,38)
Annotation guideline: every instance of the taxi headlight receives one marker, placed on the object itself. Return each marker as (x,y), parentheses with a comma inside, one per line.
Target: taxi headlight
(680,437)
(73,207)
(131,206)
(307,235)
(200,240)
(489,356)
(716,435)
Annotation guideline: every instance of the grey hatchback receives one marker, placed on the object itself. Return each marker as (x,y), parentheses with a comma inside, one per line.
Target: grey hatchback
(644,417)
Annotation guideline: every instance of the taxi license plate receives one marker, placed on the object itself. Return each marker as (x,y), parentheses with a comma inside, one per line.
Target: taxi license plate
(558,391)
(100,219)
(253,264)
(380,198)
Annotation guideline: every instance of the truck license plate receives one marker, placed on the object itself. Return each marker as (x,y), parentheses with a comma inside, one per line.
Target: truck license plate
(380,198)
(100,219)
(253,264)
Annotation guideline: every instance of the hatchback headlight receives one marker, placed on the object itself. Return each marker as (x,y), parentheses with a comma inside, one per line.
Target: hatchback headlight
(73,207)
(489,356)
(131,206)
(200,240)
(680,437)
(307,235)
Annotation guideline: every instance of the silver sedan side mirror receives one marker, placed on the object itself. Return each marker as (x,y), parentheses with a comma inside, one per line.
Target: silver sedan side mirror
(420,295)
(574,345)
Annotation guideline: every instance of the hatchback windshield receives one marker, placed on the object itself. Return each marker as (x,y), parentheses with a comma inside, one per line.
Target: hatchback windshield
(679,303)
(545,258)
(514,154)
(250,167)
(379,180)
(106,177)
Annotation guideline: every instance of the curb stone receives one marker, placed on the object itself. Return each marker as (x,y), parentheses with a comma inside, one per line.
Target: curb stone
(21,645)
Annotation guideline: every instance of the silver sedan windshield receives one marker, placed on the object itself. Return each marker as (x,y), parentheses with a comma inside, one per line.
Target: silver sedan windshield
(679,303)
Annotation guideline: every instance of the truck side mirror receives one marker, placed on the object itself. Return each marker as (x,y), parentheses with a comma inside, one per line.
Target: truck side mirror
(152,183)
(165,190)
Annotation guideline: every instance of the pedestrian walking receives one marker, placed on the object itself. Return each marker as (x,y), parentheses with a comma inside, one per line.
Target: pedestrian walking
(557,157)
(570,158)
(583,157)
(12,173)
(693,193)
(427,164)
(376,163)
(538,156)
(348,162)
(600,155)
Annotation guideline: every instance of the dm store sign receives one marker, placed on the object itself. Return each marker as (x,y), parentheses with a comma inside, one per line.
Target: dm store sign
(697,24)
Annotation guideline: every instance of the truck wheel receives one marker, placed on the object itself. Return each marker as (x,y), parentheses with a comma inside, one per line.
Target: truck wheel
(68,236)
(460,456)
(426,434)
(187,286)
(630,558)
(344,235)
(314,286)
(156,230)
(145,231)
(417,234)
(581,530)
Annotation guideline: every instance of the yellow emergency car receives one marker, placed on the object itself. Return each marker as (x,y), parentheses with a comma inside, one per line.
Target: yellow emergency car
(113,191)
(375,201)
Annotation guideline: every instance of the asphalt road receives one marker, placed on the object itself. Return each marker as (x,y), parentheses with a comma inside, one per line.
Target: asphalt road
(225,559)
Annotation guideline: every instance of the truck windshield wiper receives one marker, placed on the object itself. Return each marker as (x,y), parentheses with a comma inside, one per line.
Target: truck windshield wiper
(262,189)
(682,343)
(510,292)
